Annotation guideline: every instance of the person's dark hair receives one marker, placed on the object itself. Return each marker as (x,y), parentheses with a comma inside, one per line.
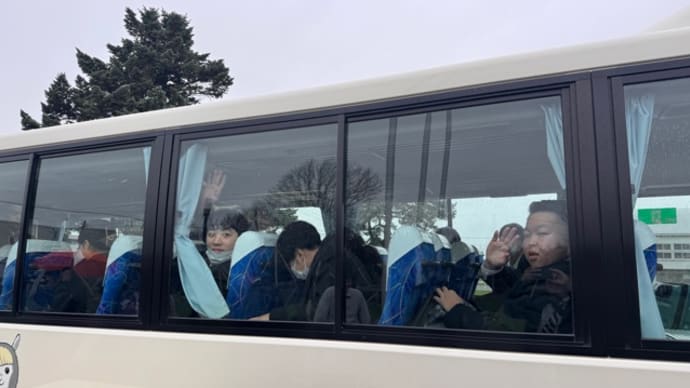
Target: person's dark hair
(450,234)
(550,205)
(297,235)
(99,233)
(225,219)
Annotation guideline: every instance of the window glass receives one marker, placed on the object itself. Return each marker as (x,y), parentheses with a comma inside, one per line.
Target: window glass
(84,249)
(254,226)
(13,178)
(657,117)
(426,195)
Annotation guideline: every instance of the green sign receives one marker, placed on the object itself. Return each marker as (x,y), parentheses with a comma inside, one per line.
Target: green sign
(665,215)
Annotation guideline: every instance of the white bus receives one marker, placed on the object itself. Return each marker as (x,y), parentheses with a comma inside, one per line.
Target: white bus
(110,278)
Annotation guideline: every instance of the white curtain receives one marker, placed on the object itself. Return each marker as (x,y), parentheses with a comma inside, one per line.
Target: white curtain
(147,162)
(199,286)
(639,113)
(554,139)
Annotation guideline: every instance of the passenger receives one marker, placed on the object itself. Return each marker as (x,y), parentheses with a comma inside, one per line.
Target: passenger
(457,247)
(80,287)
(312,263)
(223,227)
(450,234)
(363,290)
(539,301)
(297,247)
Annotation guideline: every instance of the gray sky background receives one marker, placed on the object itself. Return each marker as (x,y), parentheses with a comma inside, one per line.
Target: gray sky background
(273,46)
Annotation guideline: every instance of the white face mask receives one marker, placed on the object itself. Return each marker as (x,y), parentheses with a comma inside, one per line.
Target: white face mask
(300,274)
(218,257)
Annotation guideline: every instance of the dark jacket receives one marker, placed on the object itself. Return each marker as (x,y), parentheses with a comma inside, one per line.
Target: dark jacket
(535,302)
(321,277)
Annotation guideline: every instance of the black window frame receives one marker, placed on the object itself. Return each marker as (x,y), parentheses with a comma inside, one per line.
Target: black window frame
(229,326)
(574,90)
(34,155)
(623,316)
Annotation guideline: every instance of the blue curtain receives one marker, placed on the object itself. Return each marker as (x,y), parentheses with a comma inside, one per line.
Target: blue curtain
(639,113)
(198,283)
(554,139)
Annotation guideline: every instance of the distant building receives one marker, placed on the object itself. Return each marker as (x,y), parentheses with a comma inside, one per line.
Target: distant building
(672,244)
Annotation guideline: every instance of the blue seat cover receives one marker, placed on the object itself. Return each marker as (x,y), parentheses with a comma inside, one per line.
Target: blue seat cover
(251,290)
(122,277)
(406,284)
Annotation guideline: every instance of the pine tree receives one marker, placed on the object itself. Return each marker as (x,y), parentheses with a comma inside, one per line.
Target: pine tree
(154,68)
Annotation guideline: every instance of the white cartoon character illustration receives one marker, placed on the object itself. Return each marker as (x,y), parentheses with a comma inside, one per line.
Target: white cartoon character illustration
(9,365)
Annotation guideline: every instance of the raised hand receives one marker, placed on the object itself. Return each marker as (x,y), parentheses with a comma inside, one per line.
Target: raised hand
(498,250)
(212,187)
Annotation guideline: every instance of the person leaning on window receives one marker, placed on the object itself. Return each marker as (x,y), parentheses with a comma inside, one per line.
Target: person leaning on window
(296,247)
(540,299)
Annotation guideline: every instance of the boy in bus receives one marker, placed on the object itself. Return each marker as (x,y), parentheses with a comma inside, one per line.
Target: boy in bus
(223,227)
(297,247)
(80,286)
(539,300)
(312,264)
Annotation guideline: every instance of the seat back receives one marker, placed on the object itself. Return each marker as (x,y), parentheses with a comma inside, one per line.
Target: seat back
(122,277)
(39,283)
(406,284)
(251,289)
(464,274)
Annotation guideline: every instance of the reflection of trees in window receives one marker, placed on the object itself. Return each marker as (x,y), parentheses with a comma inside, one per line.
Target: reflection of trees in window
(313,184)
(266,217)
(371,220)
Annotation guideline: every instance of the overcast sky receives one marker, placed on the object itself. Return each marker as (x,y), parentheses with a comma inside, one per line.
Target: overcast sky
(282,45)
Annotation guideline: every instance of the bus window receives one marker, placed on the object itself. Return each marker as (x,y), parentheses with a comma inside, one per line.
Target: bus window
(656,117)
(13,178)
(433,188)
(254,216)
(83,253)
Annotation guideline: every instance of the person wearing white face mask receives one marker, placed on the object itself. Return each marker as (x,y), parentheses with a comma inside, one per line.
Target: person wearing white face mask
(297,247)
(223,227)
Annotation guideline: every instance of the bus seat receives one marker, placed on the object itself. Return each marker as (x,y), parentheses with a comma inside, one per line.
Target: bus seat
(464,274)
(4,252)
(405,284)
(250,281)
(40,292)
(122,277)
(652,326)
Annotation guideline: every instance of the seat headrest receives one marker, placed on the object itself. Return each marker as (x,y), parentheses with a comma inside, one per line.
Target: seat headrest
(34,245)
(405,239)
(250,241)
(459,250)
(123,243)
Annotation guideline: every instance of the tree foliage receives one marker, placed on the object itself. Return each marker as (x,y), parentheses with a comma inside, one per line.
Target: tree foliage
(154,68)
